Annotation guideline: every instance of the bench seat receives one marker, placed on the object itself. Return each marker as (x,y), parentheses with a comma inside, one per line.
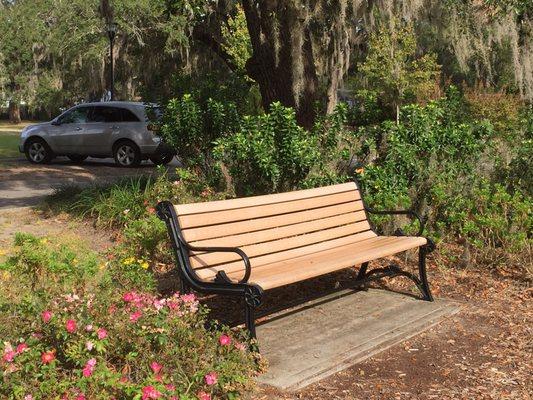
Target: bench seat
(246,246)
(291,268)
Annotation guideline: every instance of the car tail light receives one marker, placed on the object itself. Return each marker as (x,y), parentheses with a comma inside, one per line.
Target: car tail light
(152,127)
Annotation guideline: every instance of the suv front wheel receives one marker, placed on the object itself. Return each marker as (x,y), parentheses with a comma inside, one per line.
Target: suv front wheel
(127,154)
(37,151)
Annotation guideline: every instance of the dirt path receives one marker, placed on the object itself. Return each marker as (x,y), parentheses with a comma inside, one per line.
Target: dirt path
(34,222)
(23,184)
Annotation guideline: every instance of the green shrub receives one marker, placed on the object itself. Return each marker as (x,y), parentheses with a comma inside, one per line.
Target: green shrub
(130,199)
(47,266)
(272,153)
(426,145)
(134,346)
(487,214)
(269,153)
(192,129)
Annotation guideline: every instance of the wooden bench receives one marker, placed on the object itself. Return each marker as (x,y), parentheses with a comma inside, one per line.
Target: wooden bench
(245,246)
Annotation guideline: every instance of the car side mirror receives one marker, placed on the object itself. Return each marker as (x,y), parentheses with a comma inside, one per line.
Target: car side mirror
(56,122)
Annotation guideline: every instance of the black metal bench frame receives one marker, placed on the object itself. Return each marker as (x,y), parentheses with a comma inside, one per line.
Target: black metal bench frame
(253,294)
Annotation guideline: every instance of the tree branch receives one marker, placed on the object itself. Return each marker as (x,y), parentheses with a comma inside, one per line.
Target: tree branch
(204,37)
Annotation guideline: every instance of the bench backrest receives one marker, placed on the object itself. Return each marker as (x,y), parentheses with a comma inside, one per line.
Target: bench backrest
(273,227)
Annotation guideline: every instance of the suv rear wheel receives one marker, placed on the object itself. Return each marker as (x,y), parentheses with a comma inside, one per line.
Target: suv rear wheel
(162,159)
(37,151)
(127,154)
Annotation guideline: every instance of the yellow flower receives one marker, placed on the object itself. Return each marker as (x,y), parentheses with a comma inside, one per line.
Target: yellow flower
(6,275)
(360,171)
(128,261)
(101,267)
(144,265)
(43,241)
(3,252)
(75,261)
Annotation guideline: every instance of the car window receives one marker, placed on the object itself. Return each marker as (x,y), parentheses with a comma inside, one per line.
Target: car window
(105,114)
(76,116)
(128,116)
(153,113)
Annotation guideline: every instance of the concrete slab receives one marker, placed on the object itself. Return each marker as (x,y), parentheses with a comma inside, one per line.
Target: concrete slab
(327,335)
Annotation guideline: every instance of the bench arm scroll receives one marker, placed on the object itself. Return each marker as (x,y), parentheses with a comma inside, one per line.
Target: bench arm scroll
(221,275)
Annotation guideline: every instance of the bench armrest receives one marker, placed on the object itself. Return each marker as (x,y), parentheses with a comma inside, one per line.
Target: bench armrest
(222,274)
(410,213)
(166,212)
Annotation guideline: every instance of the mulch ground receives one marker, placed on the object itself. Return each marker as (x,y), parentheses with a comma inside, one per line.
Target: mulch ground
(483,352)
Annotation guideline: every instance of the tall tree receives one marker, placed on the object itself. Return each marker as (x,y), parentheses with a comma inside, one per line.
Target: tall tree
(301,51)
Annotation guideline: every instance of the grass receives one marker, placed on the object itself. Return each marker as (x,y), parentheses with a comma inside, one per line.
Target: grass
(9,138)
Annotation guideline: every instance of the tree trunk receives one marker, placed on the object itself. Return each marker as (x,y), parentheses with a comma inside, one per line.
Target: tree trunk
(282,62)
(301,51)
(14,112)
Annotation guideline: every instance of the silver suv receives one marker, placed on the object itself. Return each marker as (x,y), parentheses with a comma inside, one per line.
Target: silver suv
(113,129)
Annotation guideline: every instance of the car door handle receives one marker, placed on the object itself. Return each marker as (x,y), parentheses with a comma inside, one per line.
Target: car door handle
(78,128)
(114,127)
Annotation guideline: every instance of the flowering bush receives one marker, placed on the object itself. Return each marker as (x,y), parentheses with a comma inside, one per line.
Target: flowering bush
(137,346)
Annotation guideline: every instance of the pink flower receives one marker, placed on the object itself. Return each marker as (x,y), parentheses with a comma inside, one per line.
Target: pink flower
(240,346)
(135,316)
(22,347)
(224,340)
(89,345)
(71,326)
(47,357)
(88,369)
(211,378)
(28,397)
(129,297)
(158,304)
(156,367)
(150,392)
(9,356)
(170,387)
(188,298)
(102,333)
(203,395)
(80,397)
(89,328)
(46,316)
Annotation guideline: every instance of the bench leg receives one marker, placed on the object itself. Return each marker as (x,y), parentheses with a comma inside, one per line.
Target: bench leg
(253,295)
(421,281)
(184,287)
(360,280)
(249,317)
(422,252)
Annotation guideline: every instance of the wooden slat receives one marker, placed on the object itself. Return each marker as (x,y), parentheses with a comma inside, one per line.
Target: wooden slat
(309,267)
(300,268)
(240,214)
(254,250)
(341,247)
(286,231)
(290,254)
(235,228)
(221,205)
